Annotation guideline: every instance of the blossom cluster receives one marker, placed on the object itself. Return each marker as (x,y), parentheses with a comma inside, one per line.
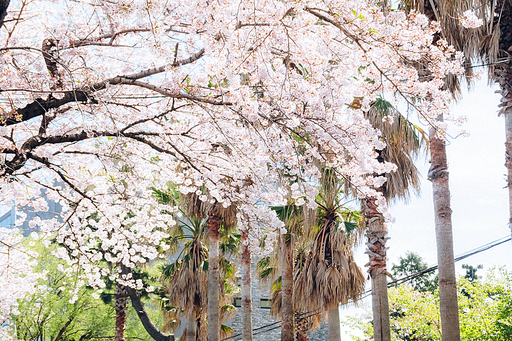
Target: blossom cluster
(235,103)
(470,20)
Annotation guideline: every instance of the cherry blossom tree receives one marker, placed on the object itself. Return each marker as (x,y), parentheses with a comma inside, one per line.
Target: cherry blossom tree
(16,276)
(113,98)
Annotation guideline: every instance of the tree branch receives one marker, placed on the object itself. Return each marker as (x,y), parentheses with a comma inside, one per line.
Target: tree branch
(4,4)
(152,330)
(84,94)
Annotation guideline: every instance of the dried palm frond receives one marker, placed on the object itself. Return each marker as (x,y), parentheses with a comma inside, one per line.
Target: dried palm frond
(404,141)
(329,276)
(448,14)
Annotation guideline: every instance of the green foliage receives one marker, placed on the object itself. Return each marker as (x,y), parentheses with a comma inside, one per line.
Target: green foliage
(485,307)
(471,271)
(410,264)
(48,312)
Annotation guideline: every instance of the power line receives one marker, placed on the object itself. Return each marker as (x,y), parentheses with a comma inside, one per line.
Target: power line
(464,255)
(399,281)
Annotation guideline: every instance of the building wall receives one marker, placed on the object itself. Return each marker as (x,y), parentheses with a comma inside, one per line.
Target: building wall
(261,317)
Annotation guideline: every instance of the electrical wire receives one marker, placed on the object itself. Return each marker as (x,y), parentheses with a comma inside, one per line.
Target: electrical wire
(399,281)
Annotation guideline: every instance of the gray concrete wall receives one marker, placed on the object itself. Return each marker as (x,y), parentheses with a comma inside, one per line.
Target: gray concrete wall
(261,317)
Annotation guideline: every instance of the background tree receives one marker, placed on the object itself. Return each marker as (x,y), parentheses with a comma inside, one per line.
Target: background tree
(62,309)
(411,264)
(471,272)
(484,305)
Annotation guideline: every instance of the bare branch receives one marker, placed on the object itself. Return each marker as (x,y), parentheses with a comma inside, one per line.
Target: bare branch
(85,94)
(4,4)
(171,94)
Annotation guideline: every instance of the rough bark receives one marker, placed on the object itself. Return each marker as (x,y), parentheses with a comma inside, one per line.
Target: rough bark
(214,223)
(4,4)
(302,329)
(503,75)
(377,237)
(246,289)
(152,330)
(508,160)
(121,304)
(438,175)
(287,312)
(333,316)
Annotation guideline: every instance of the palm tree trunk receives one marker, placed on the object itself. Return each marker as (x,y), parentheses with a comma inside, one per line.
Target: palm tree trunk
(334,324)
(508,153)
(287,313)
(214,223)
(438,175)
(377,236)
(191,326)
(121,300)
(302,328)
(246,288)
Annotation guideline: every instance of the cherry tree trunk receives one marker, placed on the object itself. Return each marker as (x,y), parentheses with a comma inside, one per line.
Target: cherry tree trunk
(214,223)
(438,175)
(121,304)
(333,316)
(246,289)
(4,4)
(377,237)
(287,313)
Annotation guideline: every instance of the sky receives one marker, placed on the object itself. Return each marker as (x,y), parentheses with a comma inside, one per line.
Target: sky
(479,198)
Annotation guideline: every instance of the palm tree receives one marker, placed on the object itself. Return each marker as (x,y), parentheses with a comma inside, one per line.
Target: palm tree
(322,271)
(487,43)
(217,216)
(187,278)
(292,216)
(403,143)
(278,268)
(328,276)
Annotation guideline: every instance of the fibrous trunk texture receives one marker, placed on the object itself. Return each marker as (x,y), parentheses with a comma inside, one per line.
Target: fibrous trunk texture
(287,313)
(508,162)
(377,237)
(214,223)
(121,305)
(333,316)
(302,328)
(503,74)
(246,289)
(438,175)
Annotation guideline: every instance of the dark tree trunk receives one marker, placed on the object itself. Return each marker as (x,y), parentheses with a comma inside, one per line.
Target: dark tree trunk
(121,305)
(4,4)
